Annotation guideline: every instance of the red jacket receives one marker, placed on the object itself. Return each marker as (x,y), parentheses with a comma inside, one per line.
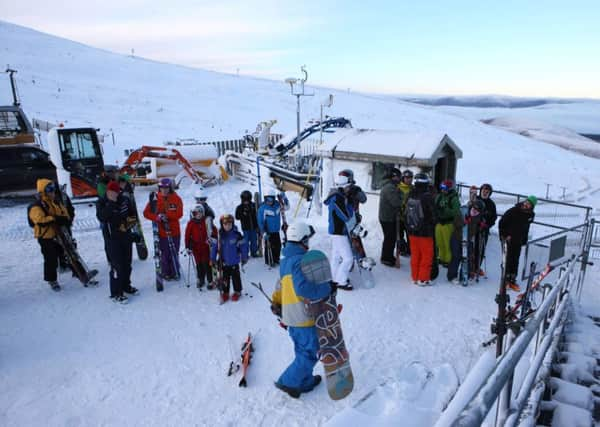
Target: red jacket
(172,207)
(196,239)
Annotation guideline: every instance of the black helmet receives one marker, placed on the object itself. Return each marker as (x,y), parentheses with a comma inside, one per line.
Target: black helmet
(478,204)
(246,195)
(407,173)
(422,178)
(348,173)
(395,172)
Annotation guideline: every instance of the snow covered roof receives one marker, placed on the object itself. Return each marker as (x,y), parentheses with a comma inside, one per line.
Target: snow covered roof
(390,146)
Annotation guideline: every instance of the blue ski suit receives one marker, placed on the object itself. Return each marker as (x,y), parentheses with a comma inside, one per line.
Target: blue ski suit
(293,289)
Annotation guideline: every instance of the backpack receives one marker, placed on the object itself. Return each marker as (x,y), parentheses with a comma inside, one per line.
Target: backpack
(414,215)
(31,205)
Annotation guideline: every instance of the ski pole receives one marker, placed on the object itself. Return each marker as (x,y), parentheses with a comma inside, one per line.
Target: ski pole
(188,270)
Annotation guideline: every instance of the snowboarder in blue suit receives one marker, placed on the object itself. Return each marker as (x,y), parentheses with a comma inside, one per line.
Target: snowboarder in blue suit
(288,301)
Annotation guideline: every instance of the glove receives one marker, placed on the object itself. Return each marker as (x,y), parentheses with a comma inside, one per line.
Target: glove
(358,217)
(276,309)
(62,220)
(161,218)
(284,227)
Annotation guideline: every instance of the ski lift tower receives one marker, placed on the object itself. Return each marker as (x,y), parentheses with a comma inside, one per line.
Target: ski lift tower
(297,90)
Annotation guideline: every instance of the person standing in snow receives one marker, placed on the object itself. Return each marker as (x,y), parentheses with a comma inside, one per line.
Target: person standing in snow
(514,230)
(169,210)
(246,214)
(269,224)
(116,213)
(227,254)
(420,223)
(197,243)
(475,222)
(390,204)
(490,216)
(447,206)
(341,222)
(201,199)
(45,214)
(288,302)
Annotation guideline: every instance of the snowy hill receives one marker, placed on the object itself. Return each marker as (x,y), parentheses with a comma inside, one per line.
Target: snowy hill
(145,102)
(75,358)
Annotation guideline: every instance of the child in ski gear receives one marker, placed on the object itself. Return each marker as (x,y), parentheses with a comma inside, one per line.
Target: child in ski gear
(447,206)
(405,186)
(514,229)
(490,216)
(246,213)
(390,204)
(269,224)
(293,288)
(197,239)
(46,214)
(341,223)
(420,222)
(115,212)
(229,252)
(169,212)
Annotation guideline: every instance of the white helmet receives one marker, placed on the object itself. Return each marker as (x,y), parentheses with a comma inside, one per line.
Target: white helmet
(270,193)
(341,181)
(299,231)
(199,194)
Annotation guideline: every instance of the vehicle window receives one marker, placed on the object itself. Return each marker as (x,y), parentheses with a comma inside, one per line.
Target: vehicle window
(78,145)
(9,123)
(31,155)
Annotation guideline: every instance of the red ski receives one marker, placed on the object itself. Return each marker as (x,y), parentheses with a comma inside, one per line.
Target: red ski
(247,350)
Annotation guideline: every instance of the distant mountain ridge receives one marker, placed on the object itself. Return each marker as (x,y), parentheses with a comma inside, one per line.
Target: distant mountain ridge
(485,101)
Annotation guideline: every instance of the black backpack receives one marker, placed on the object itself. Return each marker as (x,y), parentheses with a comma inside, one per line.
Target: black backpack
(414,215)
(31,205)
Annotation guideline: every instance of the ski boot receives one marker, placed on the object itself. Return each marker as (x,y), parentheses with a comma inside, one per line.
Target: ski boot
(54,285)
(235,296)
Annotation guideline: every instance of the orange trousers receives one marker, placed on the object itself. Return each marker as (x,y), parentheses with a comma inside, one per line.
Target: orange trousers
(421,257)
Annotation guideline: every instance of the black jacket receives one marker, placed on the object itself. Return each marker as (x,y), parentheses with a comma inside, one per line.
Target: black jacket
(356,196)
(245,213)
(490,215)
(422,193)
(515,223)
(113,216)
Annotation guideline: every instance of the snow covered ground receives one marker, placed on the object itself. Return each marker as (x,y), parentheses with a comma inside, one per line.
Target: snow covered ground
(75,358)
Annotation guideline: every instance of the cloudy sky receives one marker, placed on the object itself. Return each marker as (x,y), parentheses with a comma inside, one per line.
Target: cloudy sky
(523,48)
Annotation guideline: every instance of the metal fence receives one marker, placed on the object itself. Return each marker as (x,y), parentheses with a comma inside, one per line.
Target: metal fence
(557,225)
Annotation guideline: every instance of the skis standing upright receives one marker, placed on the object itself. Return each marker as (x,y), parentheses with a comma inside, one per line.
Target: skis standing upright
(463,268)
(172,251)
(502,299)
(284,225)
(156,240)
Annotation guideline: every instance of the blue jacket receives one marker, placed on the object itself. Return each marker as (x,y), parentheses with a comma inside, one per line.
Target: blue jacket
(269,218)
(231,247)
(341,213)
(294,288)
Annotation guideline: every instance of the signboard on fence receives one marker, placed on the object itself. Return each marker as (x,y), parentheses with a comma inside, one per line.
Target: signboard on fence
(557,248)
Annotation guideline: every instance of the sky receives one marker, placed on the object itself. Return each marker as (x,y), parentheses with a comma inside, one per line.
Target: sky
(531,48)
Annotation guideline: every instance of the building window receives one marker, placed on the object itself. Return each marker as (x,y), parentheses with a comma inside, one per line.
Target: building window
(380,170)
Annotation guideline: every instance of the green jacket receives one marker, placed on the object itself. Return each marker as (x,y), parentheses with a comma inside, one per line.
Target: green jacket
(390,201)
(447,206)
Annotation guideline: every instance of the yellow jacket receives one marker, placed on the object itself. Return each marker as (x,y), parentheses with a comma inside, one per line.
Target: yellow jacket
(43,217)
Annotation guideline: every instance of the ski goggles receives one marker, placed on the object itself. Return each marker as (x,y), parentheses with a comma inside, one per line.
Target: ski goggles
(50,188)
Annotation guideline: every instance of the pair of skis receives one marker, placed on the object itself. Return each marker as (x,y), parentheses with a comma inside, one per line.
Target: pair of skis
(245,358)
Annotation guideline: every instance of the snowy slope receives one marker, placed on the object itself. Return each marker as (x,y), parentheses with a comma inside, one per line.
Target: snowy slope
(75,358)
(145,102)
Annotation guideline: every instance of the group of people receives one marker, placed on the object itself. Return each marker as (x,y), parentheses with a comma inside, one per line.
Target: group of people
(427,224)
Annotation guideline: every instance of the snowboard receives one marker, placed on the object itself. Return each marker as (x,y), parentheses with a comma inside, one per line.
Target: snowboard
(332,349)
(76,263)
(140,243)
(362,262)
(156,240)
(259,239)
